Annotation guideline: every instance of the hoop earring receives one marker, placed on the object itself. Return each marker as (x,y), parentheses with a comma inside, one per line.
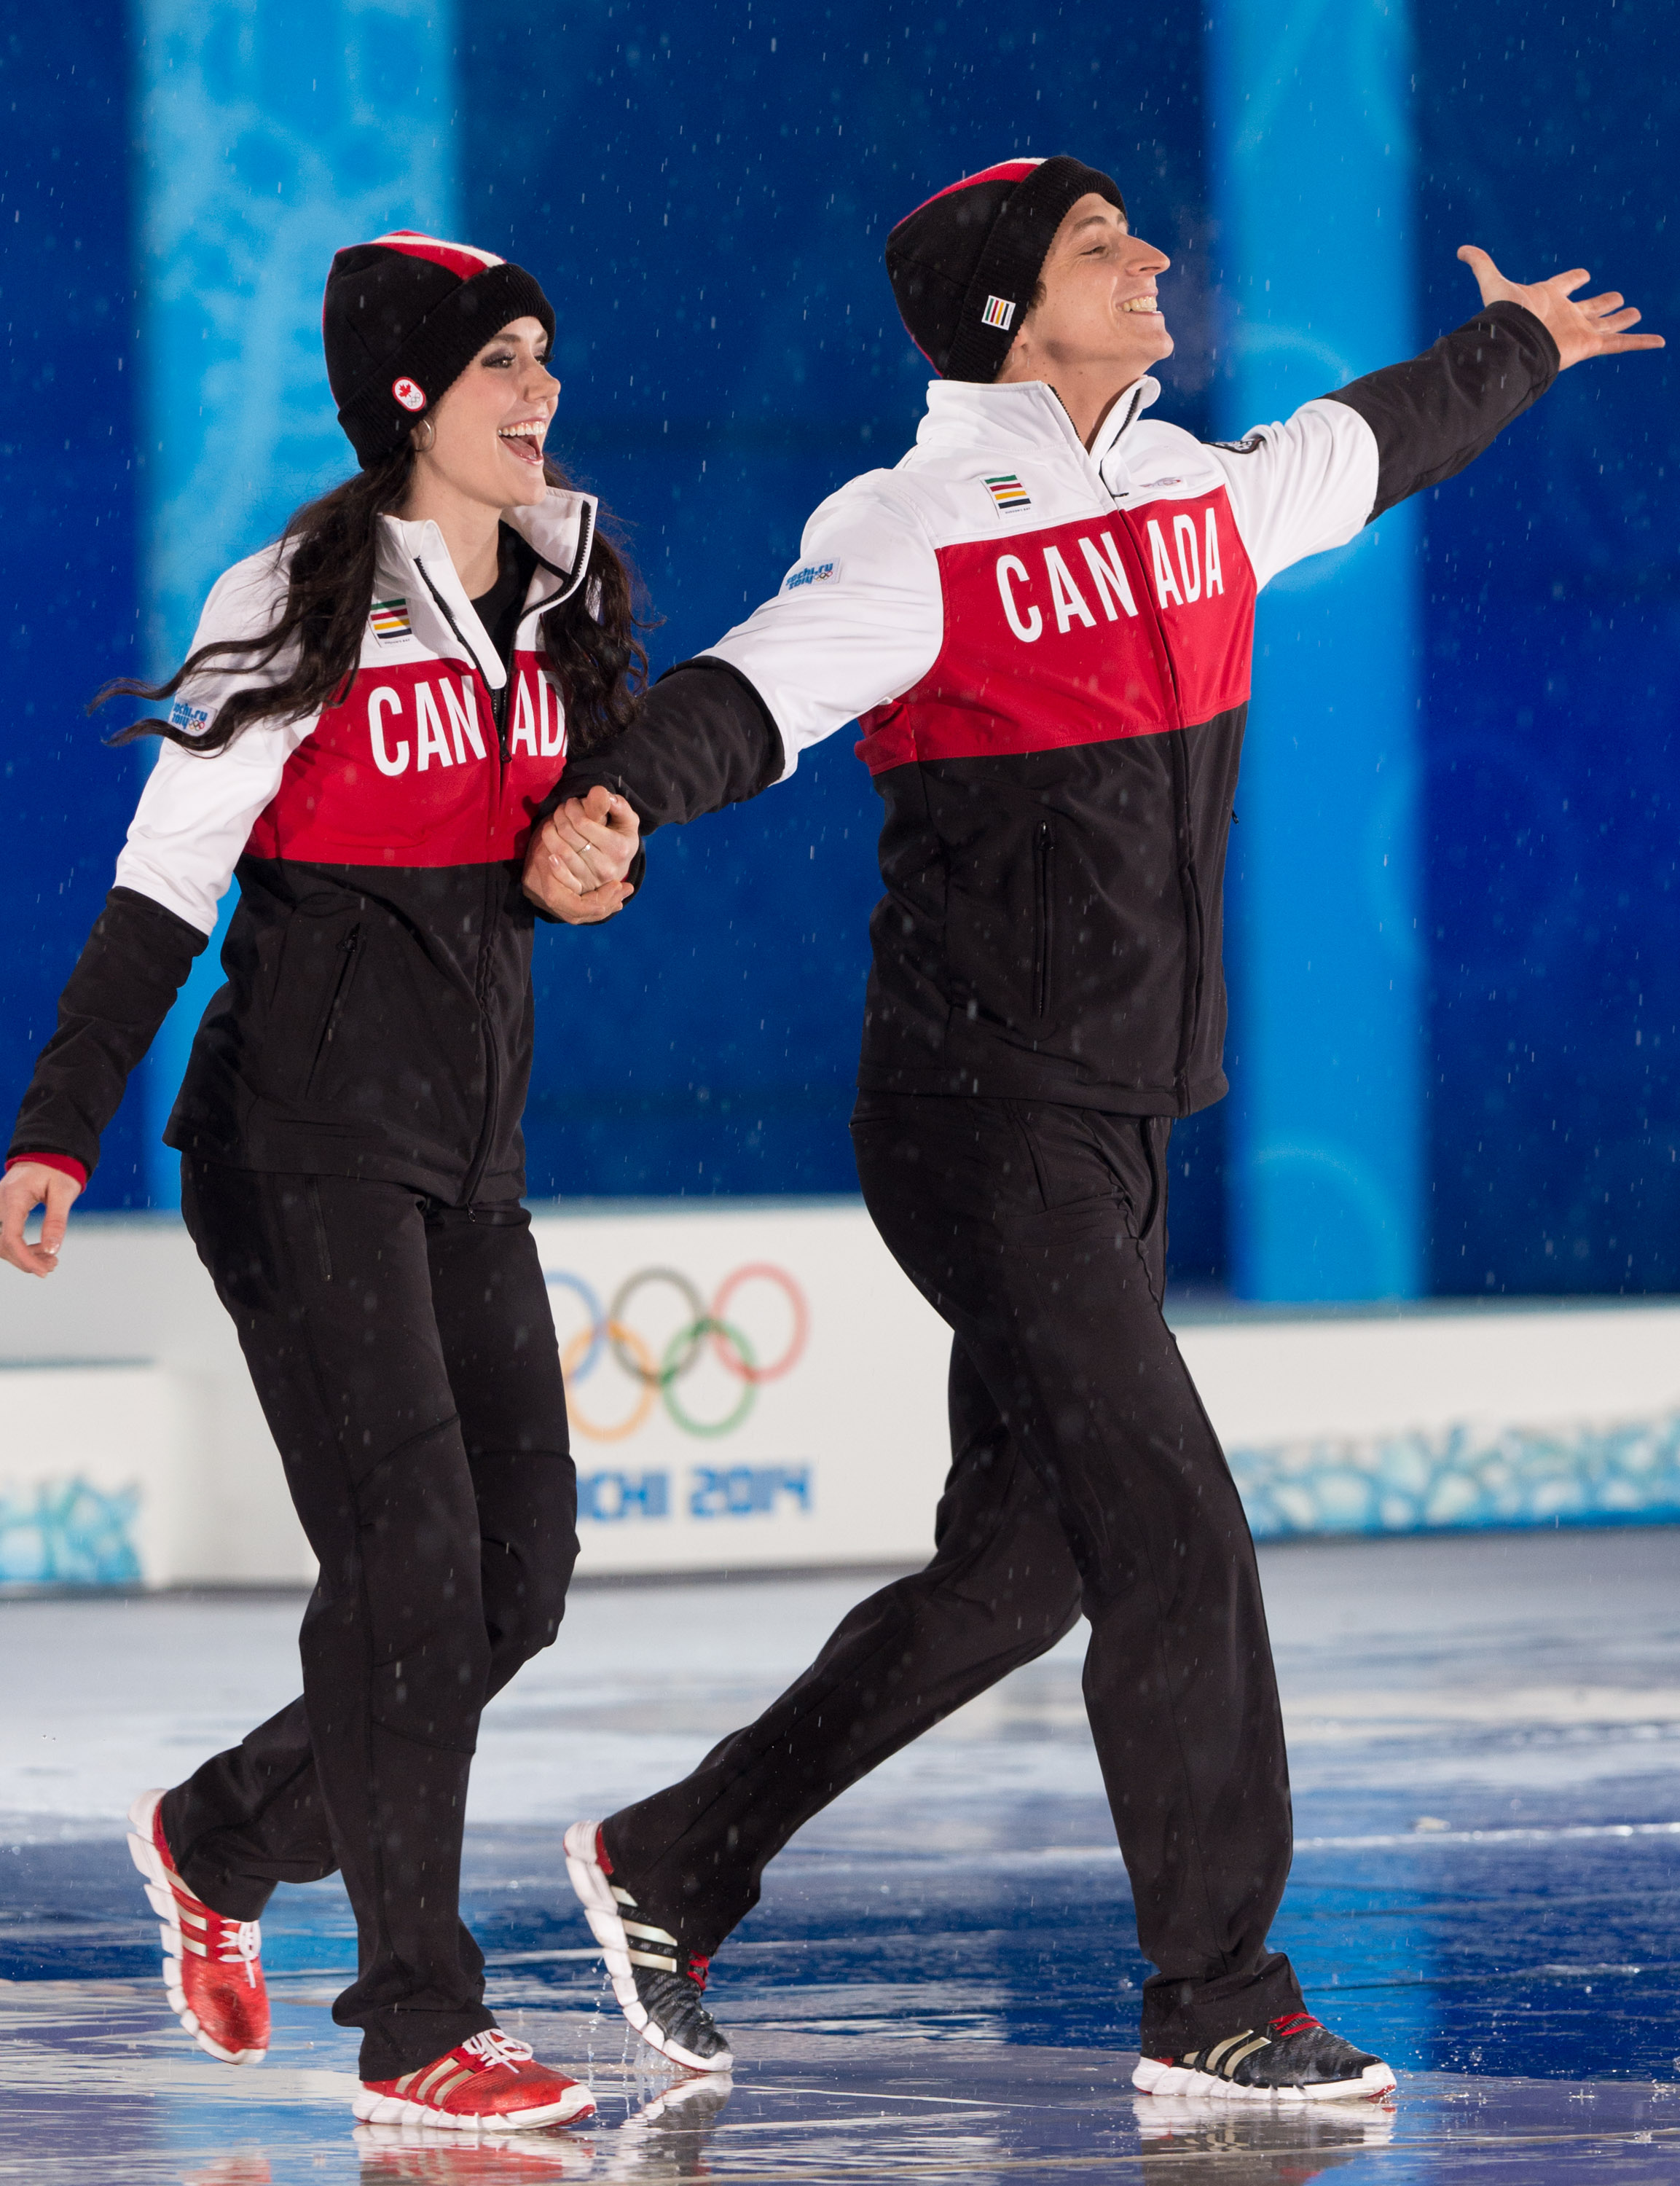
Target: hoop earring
(420,446)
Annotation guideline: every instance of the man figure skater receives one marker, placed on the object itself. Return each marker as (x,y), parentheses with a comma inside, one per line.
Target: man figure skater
(1042,620)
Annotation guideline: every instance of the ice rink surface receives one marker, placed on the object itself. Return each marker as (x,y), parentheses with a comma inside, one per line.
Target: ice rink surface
(941,1982)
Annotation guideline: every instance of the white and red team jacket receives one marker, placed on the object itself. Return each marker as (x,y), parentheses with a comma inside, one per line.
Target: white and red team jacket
(376,1018)
(1048,650)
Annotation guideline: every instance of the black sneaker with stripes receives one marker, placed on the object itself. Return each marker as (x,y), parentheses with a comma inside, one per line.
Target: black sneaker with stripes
(658,1984)
(1294,2058)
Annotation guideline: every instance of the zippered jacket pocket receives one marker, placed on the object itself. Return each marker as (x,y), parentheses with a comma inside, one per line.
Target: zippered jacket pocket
(1044,917)
(350,954)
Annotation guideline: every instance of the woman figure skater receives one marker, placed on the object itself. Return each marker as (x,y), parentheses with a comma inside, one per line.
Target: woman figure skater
(372,711)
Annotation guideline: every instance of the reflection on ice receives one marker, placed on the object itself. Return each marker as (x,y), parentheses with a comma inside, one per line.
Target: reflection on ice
(1202,2138)
(668,2135)
(942,1980)
(421,2155)
(232,2171)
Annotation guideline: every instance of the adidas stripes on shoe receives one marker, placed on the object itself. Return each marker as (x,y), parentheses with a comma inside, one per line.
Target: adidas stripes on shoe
(488,2083)
(1294,2058)
(212,1967)
(657,1987)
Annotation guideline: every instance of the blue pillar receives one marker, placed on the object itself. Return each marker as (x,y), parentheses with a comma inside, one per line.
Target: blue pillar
(1312,166)
(272,132)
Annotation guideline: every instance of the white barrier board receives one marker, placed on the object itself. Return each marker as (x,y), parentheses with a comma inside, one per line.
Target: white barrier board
(1485,1417)
(755,1384)
(749,1388)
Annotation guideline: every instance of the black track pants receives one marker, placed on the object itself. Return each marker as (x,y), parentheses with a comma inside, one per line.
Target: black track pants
(404,1353)
(1085,1477)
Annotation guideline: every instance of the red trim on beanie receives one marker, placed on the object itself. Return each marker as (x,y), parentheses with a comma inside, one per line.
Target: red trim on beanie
(66,1164)
(461,259)
(1007,170)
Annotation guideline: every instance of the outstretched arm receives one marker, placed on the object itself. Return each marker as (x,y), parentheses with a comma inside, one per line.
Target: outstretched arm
(857,621)
(1435,413)
(1316,479)
(1580,328)
(703,738)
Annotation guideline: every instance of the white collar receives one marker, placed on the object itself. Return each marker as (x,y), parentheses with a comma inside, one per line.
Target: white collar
(559,529)
(1028,412)
(1129,408)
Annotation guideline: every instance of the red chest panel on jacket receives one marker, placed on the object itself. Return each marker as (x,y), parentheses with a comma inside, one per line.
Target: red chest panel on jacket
(407,772)
(1120,624)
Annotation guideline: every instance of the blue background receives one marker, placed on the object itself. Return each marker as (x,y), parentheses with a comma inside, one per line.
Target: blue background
(705,192)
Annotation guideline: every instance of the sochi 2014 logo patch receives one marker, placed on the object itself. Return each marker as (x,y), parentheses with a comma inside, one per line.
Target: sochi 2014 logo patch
(193,719)
(389,618)
(409,393)
(810,573)
(1007,492)
(1000,312)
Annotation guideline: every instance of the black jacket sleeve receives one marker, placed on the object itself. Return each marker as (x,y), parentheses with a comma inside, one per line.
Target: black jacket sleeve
(134,965)
(703,738)
(1436,412)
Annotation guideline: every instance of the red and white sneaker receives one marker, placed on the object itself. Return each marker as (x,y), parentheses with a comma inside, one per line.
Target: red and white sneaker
(212,1967)
(490,2083)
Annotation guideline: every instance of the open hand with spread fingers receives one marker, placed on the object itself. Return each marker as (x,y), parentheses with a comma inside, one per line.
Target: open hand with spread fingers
(1584,327)
(577,860)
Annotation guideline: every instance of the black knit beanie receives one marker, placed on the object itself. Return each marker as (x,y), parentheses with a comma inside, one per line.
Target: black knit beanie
(964,265)
(402,318)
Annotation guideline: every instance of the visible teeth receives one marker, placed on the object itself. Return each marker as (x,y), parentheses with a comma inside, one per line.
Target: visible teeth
(520,432)
(1139,304)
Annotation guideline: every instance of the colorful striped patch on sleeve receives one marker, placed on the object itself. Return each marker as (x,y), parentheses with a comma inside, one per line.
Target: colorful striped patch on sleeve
(1008,493)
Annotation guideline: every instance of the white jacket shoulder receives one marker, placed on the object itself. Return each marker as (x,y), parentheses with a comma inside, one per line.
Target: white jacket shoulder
(197,808)
(1302,485)
(246,599)
(858,619)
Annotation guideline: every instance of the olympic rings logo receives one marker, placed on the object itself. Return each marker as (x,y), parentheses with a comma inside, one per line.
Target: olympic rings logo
(657,1359)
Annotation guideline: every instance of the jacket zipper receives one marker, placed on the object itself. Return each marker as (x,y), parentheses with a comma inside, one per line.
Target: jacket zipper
(499,712)
(1190,889)
(1190,1007)
(499,699)
(500,702)
(1044,909)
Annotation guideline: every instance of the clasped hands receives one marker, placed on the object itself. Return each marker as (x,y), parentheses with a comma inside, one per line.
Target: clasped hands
(576,862)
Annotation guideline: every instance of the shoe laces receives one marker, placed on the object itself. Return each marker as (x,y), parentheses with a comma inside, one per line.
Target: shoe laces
(493,2047)
(240,1943)
(1293,2022)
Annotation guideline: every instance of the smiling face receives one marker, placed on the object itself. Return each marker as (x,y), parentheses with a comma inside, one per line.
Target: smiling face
(1097,311)
(487,429)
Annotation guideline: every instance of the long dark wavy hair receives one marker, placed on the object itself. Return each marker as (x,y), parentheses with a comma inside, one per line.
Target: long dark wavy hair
(591,639)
